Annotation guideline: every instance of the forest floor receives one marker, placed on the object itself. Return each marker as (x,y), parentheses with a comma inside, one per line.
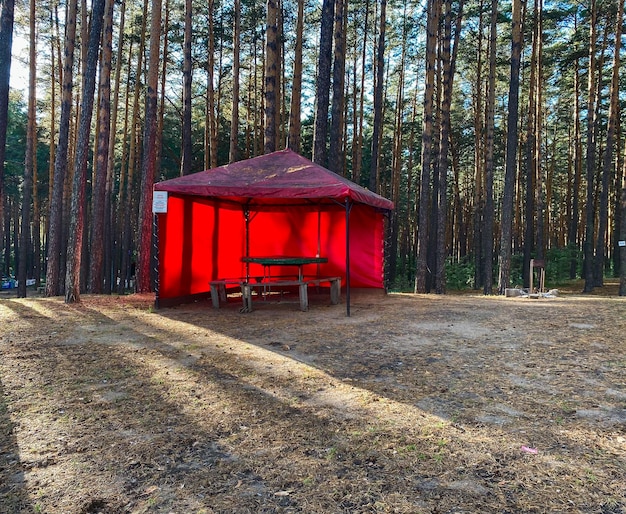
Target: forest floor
(413,404)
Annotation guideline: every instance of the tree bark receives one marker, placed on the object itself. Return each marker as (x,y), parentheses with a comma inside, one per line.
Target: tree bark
(448,64)
(572,234)
(97,244)
(427,150)
(149,164)
(591,153)
(211,161)
(6,45)
(322,89)
(234,121)
(293,141)
(378,99)
(111,227)
(622,236)
(55,231)
(271,77)
(506,226)
(357,158)
(336,147)
(607,160)
(77,211)
(30,157)
(186,134)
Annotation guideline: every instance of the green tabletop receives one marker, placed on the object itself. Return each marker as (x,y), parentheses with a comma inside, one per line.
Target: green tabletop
(285,261)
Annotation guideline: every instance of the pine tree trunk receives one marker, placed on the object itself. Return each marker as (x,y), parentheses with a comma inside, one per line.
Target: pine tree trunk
(540,180)
(186,134)
(111,223)
(607,161)
(358,144)
(378,99)
(271,77)
(506,236)
(396,162)
(293,141)
(479,159)
(448,65)
(622,235)
(336,147)
(77,209)
(322,89)
(56,230)
(128,216)
(591,153)
(149,164)
(6,45)
(427,147)
(98,212)
(234,121)
(211,112)
(572,234)
(29,159)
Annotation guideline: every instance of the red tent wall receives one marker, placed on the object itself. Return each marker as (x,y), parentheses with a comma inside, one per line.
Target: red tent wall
(204,239)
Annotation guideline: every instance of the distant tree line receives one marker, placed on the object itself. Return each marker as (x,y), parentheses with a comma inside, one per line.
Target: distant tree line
(495,127)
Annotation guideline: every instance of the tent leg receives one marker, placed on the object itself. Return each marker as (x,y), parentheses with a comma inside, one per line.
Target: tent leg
(348,208)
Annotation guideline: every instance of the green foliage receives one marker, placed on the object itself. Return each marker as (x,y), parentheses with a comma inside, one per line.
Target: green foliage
(459,274)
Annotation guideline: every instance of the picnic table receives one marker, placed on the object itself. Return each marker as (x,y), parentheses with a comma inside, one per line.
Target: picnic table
(265,282)
(268,262)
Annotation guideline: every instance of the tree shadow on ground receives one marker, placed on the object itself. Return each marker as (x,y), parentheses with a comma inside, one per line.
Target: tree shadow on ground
(13,495)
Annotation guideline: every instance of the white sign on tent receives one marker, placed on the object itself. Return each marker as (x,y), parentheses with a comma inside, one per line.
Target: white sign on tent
(159,202)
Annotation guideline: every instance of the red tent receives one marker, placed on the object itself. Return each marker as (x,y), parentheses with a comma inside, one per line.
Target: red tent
(272,205)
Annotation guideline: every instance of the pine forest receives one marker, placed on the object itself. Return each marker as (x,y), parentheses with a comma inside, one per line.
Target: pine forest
(496,128)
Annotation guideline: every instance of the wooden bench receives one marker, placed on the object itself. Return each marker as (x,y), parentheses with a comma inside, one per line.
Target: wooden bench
(218,290)
(303,285)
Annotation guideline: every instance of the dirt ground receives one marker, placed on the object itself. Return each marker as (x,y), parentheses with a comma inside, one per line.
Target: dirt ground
(413,404)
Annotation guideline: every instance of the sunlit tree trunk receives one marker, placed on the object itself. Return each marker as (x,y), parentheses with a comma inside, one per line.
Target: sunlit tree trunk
(357,153)
(186,157)
(234,121)
(149,164)
(336,146)
(97,245)
(77,209)
(55,231)
(322,89)
(293,141)
(271,77)
(211,121)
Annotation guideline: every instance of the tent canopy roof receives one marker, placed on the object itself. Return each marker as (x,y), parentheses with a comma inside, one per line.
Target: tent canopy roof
(277,177)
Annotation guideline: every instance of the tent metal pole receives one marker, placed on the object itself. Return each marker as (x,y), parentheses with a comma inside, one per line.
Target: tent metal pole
(348,209)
